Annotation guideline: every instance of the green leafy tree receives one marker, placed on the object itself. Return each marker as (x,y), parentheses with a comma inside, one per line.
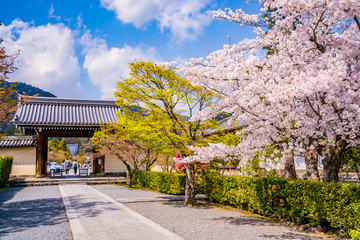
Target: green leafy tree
(54,145)
(58,150)
(154,102)
(63,146)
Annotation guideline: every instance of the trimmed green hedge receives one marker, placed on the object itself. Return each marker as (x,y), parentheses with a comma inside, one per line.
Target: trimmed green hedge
(333,206)
(169,183)
(5,169)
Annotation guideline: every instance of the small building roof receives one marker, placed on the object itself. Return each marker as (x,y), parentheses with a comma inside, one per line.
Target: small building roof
(57,112)
(17,141)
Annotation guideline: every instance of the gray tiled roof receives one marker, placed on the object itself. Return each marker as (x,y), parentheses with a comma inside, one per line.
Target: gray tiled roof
(40,111)
(17,142)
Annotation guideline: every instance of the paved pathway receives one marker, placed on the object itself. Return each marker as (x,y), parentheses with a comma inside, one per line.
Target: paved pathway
(33,213)
(94,212)
(94,215)
(205,222)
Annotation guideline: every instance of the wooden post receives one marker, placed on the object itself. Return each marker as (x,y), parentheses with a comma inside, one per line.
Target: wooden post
(45,155)
(102,166)
(95,162)
(41,154)
(95,166)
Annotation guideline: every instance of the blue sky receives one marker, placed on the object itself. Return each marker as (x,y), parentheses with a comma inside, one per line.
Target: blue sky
(81,48)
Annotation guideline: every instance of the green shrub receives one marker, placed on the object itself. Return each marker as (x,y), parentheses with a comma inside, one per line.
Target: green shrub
(169,183)
(334,206)
(5,169)
(355,234)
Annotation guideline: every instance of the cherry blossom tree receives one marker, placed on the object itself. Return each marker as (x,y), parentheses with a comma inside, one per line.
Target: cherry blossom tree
(304,94)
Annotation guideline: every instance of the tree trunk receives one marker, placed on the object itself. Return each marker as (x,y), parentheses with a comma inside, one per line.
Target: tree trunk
(128,167)
(190,185)
(332,160)
(331,171)
(311,161)
(290,171)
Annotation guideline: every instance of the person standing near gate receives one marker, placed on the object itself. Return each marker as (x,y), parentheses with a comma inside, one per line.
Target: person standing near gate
(67,165)
(75,166)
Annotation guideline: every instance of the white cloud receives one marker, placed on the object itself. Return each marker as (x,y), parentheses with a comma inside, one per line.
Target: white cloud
(184,18)
(137,12)
(51,13)
(47,57)
(106,66)
(89,42)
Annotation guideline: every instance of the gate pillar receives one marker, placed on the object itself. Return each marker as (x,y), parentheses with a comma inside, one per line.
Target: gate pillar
(41,154)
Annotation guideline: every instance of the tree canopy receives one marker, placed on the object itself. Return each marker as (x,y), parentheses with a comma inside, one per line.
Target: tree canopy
(155,102)
(304,94)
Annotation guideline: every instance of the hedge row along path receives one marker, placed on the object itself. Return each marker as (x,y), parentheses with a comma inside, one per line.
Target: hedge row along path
(94,212)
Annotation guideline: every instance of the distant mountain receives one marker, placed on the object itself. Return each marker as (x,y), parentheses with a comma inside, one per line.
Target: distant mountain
(31,90)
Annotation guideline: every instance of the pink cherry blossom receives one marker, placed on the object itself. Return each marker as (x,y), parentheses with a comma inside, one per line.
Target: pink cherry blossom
(305,92)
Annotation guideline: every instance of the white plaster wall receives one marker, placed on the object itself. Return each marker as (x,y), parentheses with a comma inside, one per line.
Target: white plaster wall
(113,164)
(23,170)
(24,162)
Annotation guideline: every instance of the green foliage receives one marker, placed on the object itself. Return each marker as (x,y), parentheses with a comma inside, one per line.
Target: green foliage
(169,183)
(58,151)
(5,169)
(63,146)
(351,159)
(333,206)
(154,101)
(355,234)
(54,145)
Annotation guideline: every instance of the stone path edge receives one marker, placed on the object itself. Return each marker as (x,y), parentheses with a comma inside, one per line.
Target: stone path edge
(140,217)
(75,225)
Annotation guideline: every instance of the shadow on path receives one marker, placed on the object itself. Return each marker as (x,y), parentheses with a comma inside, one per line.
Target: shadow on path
(85,208)
(180,204)
(240,221)
(33,213)
(287,235)
(20,215)
(251,221)
(8,194)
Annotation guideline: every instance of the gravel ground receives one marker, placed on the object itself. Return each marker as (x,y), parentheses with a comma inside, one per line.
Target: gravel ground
(207,222)
(33,213)
(116,191)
